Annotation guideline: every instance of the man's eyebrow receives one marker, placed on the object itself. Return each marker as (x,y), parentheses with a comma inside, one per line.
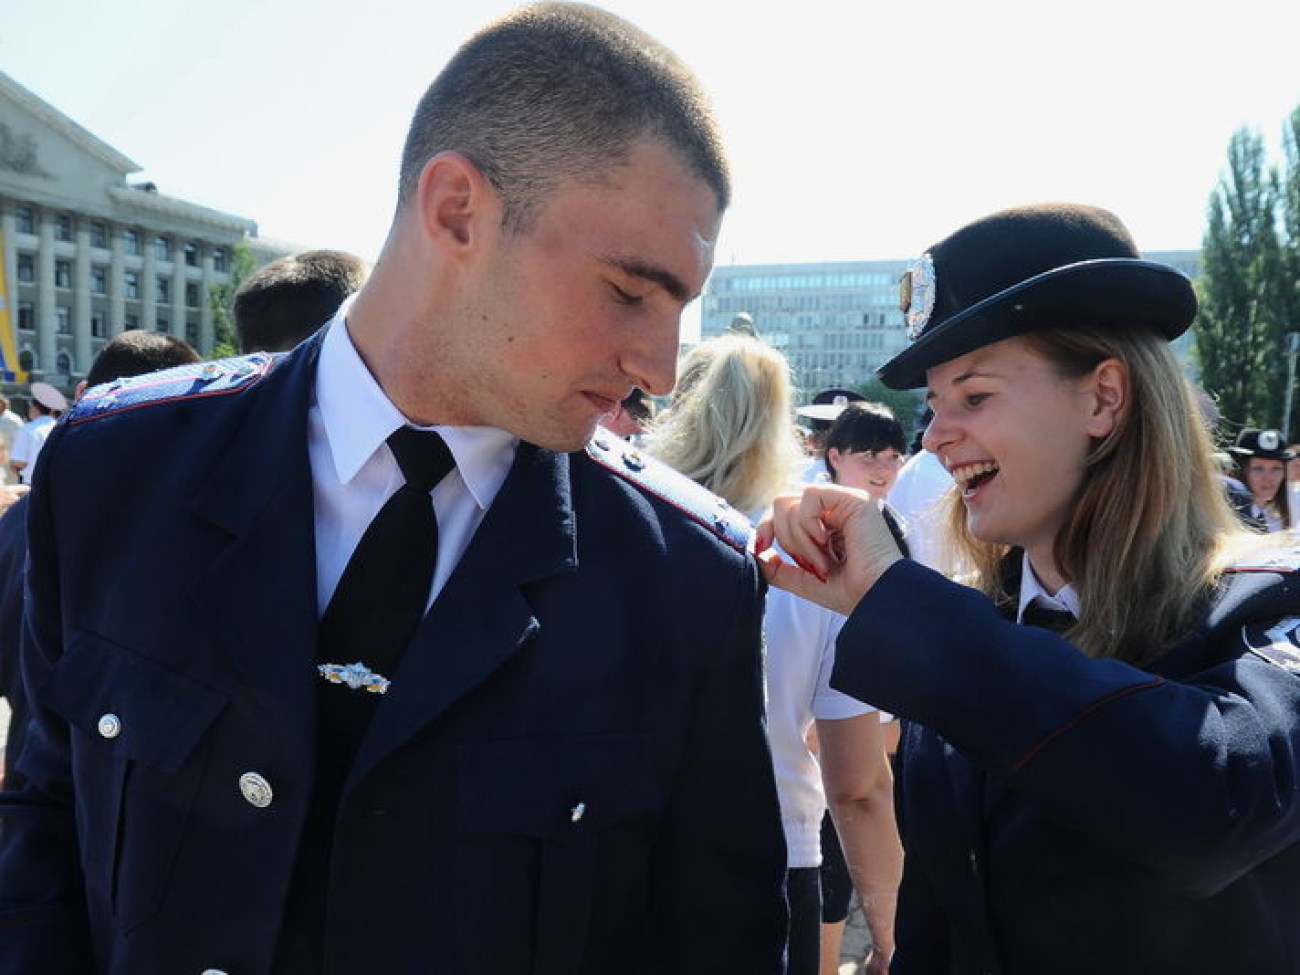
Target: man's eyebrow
(656,275)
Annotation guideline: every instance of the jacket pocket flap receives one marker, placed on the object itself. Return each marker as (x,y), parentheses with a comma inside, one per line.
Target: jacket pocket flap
(554,788)
(134,706)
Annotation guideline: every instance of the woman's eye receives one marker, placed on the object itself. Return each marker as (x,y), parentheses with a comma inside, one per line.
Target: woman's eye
(975,399)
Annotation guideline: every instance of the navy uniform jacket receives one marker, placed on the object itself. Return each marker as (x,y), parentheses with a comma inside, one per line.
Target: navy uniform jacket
(13,556)
(568,775)
(1064,815)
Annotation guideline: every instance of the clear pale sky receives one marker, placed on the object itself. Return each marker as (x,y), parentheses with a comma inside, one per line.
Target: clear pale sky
(857,130)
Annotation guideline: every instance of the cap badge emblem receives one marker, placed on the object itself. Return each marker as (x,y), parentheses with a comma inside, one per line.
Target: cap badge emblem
(916,296)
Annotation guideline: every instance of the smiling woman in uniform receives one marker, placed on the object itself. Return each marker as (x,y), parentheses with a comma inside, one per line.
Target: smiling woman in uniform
(1100,770)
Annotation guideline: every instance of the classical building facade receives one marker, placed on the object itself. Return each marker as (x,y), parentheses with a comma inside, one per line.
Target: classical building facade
(87,255)
(836,322)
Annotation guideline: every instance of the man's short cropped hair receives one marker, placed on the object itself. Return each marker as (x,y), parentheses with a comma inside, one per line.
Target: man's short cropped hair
(136,352)
(560,91)
(282,303)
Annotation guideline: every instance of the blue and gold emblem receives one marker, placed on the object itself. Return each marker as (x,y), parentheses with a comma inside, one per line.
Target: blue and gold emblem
(356,675)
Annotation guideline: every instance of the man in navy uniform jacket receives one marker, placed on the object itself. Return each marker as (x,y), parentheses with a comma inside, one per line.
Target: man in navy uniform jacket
(566,769)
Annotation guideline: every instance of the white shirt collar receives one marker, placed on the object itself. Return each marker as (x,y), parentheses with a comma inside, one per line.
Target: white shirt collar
(358,417)
(1031,589)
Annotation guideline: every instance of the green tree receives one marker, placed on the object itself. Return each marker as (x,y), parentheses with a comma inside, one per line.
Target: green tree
(222,301)
(1289,285)
(1242,322)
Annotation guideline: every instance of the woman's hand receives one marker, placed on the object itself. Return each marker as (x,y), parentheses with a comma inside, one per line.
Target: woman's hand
(838,538)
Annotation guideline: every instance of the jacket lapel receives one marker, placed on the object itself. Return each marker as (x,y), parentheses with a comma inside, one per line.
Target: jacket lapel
(257,589)
(481,617)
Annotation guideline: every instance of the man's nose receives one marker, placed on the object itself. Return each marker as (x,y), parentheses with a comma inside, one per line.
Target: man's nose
(651,362)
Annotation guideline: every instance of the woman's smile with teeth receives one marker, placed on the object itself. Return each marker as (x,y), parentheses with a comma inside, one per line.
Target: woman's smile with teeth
(967,474)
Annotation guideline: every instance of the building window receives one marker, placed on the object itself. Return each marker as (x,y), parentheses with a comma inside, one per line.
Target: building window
(26,218)
(99,279)
(192,333)
(64,364)
(164,287)
(27,360)
(191,296)
(98,328)
(192,254)
(26,268)
(131,321)
(27,316)
(63,320)
(63,227)
(131,285)
(98,235)
(162,248)
(164,325)
(220,259)
(63,274)
(131,242)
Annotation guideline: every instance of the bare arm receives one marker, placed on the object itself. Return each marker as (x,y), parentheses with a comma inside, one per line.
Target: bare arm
(859,791)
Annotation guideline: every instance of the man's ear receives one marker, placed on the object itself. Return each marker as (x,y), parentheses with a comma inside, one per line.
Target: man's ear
(453,199)
(1109,393)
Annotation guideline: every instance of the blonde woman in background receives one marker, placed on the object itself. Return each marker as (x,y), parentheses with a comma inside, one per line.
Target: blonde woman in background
(731,428)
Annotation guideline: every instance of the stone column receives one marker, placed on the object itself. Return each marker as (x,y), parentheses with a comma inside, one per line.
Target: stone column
(46,322)
(8,231)
(148,285)
(207,333)
(116,284)
(178,310)
(81,354)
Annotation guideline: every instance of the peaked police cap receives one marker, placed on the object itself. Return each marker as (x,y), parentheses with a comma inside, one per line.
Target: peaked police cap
(1027,269)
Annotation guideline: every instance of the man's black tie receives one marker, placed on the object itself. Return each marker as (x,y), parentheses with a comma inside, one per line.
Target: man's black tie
(367,625)
(382,595)
(1056,620)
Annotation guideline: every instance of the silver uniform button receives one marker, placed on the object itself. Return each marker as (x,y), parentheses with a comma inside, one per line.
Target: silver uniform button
(110,725)
(213,971)
(255,789)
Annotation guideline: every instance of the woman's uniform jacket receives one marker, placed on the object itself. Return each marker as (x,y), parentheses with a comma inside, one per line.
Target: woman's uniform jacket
(1064,815)
(568,775)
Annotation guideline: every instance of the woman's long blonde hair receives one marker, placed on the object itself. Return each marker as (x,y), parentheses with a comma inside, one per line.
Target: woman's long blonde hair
(730,426)
(1151,529)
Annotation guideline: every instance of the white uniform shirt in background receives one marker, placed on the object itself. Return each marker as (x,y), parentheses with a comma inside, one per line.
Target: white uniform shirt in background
(915,496)
(800,641)
(28,441)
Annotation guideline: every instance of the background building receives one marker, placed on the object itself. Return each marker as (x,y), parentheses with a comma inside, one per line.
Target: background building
(836,323)
(87,255)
